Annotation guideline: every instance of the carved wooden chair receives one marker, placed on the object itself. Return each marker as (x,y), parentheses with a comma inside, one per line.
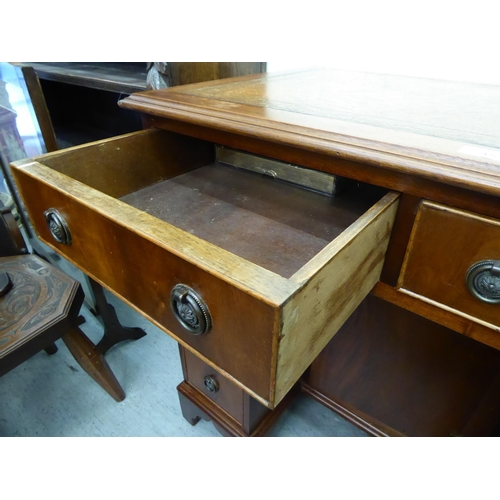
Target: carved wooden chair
(39,304)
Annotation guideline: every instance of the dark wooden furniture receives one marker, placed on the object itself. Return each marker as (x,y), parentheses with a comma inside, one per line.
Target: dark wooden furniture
(114,77)
(393,372)
(183,73)
(39,305)
(40,107)
(206,394)
(131,77)
(42,307)
(82,97)
(376,290)
(11,242)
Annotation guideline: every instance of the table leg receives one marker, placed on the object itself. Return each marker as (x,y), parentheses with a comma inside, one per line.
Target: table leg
(114,331)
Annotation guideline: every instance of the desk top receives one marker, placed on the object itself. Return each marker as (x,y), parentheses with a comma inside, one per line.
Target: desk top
(441,130)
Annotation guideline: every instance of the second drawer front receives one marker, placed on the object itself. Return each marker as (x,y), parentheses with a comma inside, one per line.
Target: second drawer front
(444,245)
(219,389)
(144,274)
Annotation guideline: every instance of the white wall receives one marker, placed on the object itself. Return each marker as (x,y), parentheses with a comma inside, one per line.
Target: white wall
(445,39)
(462,71)
(450,40)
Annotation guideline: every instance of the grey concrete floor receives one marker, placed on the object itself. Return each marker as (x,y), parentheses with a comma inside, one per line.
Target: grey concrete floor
(52,396)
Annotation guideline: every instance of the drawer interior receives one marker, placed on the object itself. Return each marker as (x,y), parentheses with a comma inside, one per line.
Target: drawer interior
(272,223)
(269,222)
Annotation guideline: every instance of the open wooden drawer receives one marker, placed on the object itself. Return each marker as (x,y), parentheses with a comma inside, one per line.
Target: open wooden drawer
(270,270)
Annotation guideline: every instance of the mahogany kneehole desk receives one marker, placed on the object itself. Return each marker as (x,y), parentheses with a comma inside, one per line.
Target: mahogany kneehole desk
(324,230)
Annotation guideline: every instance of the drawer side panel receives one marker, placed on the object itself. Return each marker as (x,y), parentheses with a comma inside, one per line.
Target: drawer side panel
(346,272)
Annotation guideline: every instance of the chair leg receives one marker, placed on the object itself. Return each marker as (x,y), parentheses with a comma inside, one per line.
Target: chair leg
(51,349)
(93,362)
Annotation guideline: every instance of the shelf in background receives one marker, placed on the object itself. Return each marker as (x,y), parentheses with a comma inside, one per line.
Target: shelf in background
(115,77)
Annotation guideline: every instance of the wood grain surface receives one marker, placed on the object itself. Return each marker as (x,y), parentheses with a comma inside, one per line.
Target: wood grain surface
(42,297)
(182,73)
(444,244)
(409,373)
(407,180)
(271,223)
(333,285)
(229,396)
(243,274)
(124,164)
(402,124)
(42,307)
(143,272)
(115,77)
(435,312)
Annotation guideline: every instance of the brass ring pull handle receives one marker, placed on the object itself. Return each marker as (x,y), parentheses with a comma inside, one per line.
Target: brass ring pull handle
(211,384)
(58,226)
(190,310)
(483,281)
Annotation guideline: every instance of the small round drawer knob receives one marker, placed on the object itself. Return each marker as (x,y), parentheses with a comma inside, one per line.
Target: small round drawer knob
(211,384)
(483,281)
(58,226)
(190,310)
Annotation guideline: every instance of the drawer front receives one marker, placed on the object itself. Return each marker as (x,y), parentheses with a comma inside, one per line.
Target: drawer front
(143,274)
(444,245)
(215,386)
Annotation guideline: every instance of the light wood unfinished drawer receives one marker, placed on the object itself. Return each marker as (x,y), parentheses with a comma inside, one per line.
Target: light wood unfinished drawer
(278,268)
(450,254)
